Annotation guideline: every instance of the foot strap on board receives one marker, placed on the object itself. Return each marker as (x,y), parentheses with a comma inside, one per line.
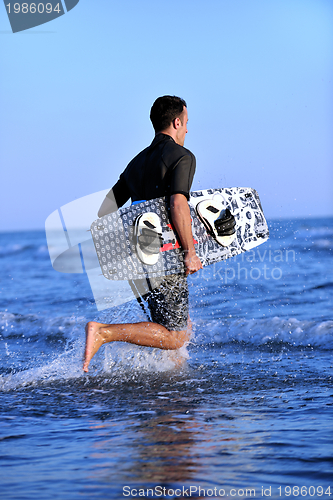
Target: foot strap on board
(218,220)
(150,242)
(148,237)
(225,224)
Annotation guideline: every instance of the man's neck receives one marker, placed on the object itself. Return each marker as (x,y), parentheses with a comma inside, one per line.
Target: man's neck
(170,131)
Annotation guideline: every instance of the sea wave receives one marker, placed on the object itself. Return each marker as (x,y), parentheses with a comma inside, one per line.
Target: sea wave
(31,325)
(258,332)
(16,248)
(314,232)
(125,361)
(253,331)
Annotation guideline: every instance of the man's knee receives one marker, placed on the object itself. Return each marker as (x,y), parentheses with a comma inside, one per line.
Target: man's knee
(180,338)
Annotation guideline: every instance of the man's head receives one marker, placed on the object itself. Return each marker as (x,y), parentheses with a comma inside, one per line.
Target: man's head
(168,114)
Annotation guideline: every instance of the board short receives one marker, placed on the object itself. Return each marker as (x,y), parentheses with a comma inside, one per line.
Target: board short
(167,299)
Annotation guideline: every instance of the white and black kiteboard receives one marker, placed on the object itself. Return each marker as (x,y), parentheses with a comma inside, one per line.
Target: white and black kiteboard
(139,241)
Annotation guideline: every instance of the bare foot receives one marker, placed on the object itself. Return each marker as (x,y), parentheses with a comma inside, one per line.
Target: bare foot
(94,340)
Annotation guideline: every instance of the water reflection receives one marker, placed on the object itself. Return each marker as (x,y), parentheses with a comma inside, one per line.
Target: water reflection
(174,441)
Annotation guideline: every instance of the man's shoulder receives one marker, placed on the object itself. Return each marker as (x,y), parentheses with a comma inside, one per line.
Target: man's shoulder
(139,158)
(176,151)
(188,152)
(140,155)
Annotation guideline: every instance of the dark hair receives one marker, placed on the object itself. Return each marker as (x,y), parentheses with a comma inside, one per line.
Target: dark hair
(164,110)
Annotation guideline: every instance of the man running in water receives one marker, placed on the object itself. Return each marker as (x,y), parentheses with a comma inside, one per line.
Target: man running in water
(165,168)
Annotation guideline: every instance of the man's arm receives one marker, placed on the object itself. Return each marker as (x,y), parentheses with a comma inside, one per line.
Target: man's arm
(181,219)
(116,198)
(109,205)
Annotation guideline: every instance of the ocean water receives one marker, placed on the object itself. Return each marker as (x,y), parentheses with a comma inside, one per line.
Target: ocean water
(247,413)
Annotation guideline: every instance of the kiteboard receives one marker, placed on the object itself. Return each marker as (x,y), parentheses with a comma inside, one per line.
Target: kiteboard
(139,241)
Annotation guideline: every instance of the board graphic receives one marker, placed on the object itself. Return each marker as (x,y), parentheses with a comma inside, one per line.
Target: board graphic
(116,247)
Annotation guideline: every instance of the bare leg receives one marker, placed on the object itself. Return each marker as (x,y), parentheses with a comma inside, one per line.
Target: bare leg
(144,334)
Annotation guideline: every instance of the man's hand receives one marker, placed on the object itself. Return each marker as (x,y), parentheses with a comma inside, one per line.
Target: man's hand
(192,262)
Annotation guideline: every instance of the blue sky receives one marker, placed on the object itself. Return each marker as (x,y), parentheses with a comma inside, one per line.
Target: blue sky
(75,96)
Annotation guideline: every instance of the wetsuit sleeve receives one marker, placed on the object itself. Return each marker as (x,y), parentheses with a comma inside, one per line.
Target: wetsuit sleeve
(182,176)
(119,192)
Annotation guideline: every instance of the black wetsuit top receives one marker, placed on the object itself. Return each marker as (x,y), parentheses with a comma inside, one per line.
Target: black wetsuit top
(163,169)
